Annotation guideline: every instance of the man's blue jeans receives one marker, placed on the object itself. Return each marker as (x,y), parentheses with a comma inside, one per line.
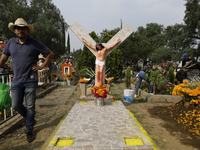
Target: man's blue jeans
(141,76)
(18,91)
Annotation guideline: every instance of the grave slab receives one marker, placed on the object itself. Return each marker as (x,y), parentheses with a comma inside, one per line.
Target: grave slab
(91,127)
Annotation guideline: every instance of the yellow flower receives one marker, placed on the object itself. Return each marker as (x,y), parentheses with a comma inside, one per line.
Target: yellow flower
(173,93)
(185,81)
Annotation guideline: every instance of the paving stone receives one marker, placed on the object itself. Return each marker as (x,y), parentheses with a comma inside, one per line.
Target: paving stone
(95,127)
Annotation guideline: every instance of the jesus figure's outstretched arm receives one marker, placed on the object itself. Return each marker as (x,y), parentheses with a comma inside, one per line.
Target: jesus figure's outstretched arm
(88,44)
(113,45)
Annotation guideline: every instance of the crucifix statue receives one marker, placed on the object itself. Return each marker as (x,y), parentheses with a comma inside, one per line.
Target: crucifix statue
(101,50)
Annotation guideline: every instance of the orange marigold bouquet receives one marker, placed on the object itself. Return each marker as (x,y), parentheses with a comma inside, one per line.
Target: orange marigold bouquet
(83,80)
(69,76)
(188,94)
(100,91)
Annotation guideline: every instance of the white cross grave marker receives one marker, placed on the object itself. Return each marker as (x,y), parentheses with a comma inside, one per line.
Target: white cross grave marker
(82,34)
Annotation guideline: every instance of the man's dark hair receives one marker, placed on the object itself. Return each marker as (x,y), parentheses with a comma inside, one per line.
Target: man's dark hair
(99,44)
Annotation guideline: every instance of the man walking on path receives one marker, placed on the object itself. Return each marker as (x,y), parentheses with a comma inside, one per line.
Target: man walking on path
(24,52)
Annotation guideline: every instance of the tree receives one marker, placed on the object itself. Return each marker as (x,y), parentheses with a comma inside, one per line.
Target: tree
(68,45)
(161,53)
(128,77)
(154,34)
(48,23)
(141,48)
(76,54)
(192,17)
(176,37)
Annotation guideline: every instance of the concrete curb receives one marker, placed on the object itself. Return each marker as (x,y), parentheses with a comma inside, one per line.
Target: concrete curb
(157,98)
(11,124)
(42,94)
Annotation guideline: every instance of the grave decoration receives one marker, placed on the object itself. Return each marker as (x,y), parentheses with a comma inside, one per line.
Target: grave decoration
(189,90)
(100,93)
(83,86)
(84,36)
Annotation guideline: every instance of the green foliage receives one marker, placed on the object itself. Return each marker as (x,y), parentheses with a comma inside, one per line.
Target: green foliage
(176,37)
(141,100)
(192,17)
(128,77)
(171,76)
(68,44)
(161,53)
(76,54)
(156,78)
(82,72)
(49,24)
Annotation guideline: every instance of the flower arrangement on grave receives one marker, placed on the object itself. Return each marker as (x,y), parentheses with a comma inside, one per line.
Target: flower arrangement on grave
(74,71)
(69,76)
(100,91)
(83,80)
(109,81)
(189,91)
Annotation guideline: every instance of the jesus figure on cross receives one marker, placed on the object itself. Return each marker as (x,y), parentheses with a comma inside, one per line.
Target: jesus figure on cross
(100,58)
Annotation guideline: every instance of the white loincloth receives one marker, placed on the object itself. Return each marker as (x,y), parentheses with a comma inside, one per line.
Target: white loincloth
(100,63)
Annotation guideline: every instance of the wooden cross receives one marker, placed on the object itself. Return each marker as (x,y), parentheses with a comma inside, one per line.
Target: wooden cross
(82,34)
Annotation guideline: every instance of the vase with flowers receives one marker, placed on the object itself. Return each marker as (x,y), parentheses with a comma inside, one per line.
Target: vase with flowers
(100,93)
(83,83)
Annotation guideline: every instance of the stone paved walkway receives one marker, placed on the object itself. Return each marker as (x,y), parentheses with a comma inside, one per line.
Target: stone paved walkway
(93,127)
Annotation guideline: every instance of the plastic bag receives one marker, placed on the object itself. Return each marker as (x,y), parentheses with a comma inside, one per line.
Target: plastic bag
(5,99)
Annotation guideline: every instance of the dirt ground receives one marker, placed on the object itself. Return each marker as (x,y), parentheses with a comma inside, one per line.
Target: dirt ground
(55,105)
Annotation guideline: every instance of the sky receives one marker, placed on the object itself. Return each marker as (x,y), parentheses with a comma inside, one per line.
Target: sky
(97,15)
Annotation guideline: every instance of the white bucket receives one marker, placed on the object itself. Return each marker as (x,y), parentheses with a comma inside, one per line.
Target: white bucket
(128,95)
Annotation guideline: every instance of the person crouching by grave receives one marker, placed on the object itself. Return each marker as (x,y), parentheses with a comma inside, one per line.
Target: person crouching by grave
(141,76)
(100,58)
(24,52)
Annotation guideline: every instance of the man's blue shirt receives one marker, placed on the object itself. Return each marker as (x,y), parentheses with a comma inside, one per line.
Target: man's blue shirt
(23,57)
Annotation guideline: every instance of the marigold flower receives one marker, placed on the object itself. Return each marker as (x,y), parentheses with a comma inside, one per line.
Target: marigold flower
(113,97)
(185,81)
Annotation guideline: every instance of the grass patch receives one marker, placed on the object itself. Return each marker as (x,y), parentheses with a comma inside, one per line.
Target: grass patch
(50,105)
(140,117)
(141,100)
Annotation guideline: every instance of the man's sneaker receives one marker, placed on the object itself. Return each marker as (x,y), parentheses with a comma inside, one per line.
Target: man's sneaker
(30,136)
(135,96)
(151,94)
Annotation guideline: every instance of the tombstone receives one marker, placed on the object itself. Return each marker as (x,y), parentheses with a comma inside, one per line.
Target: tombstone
(66,68)
(193,70)
(82,34)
